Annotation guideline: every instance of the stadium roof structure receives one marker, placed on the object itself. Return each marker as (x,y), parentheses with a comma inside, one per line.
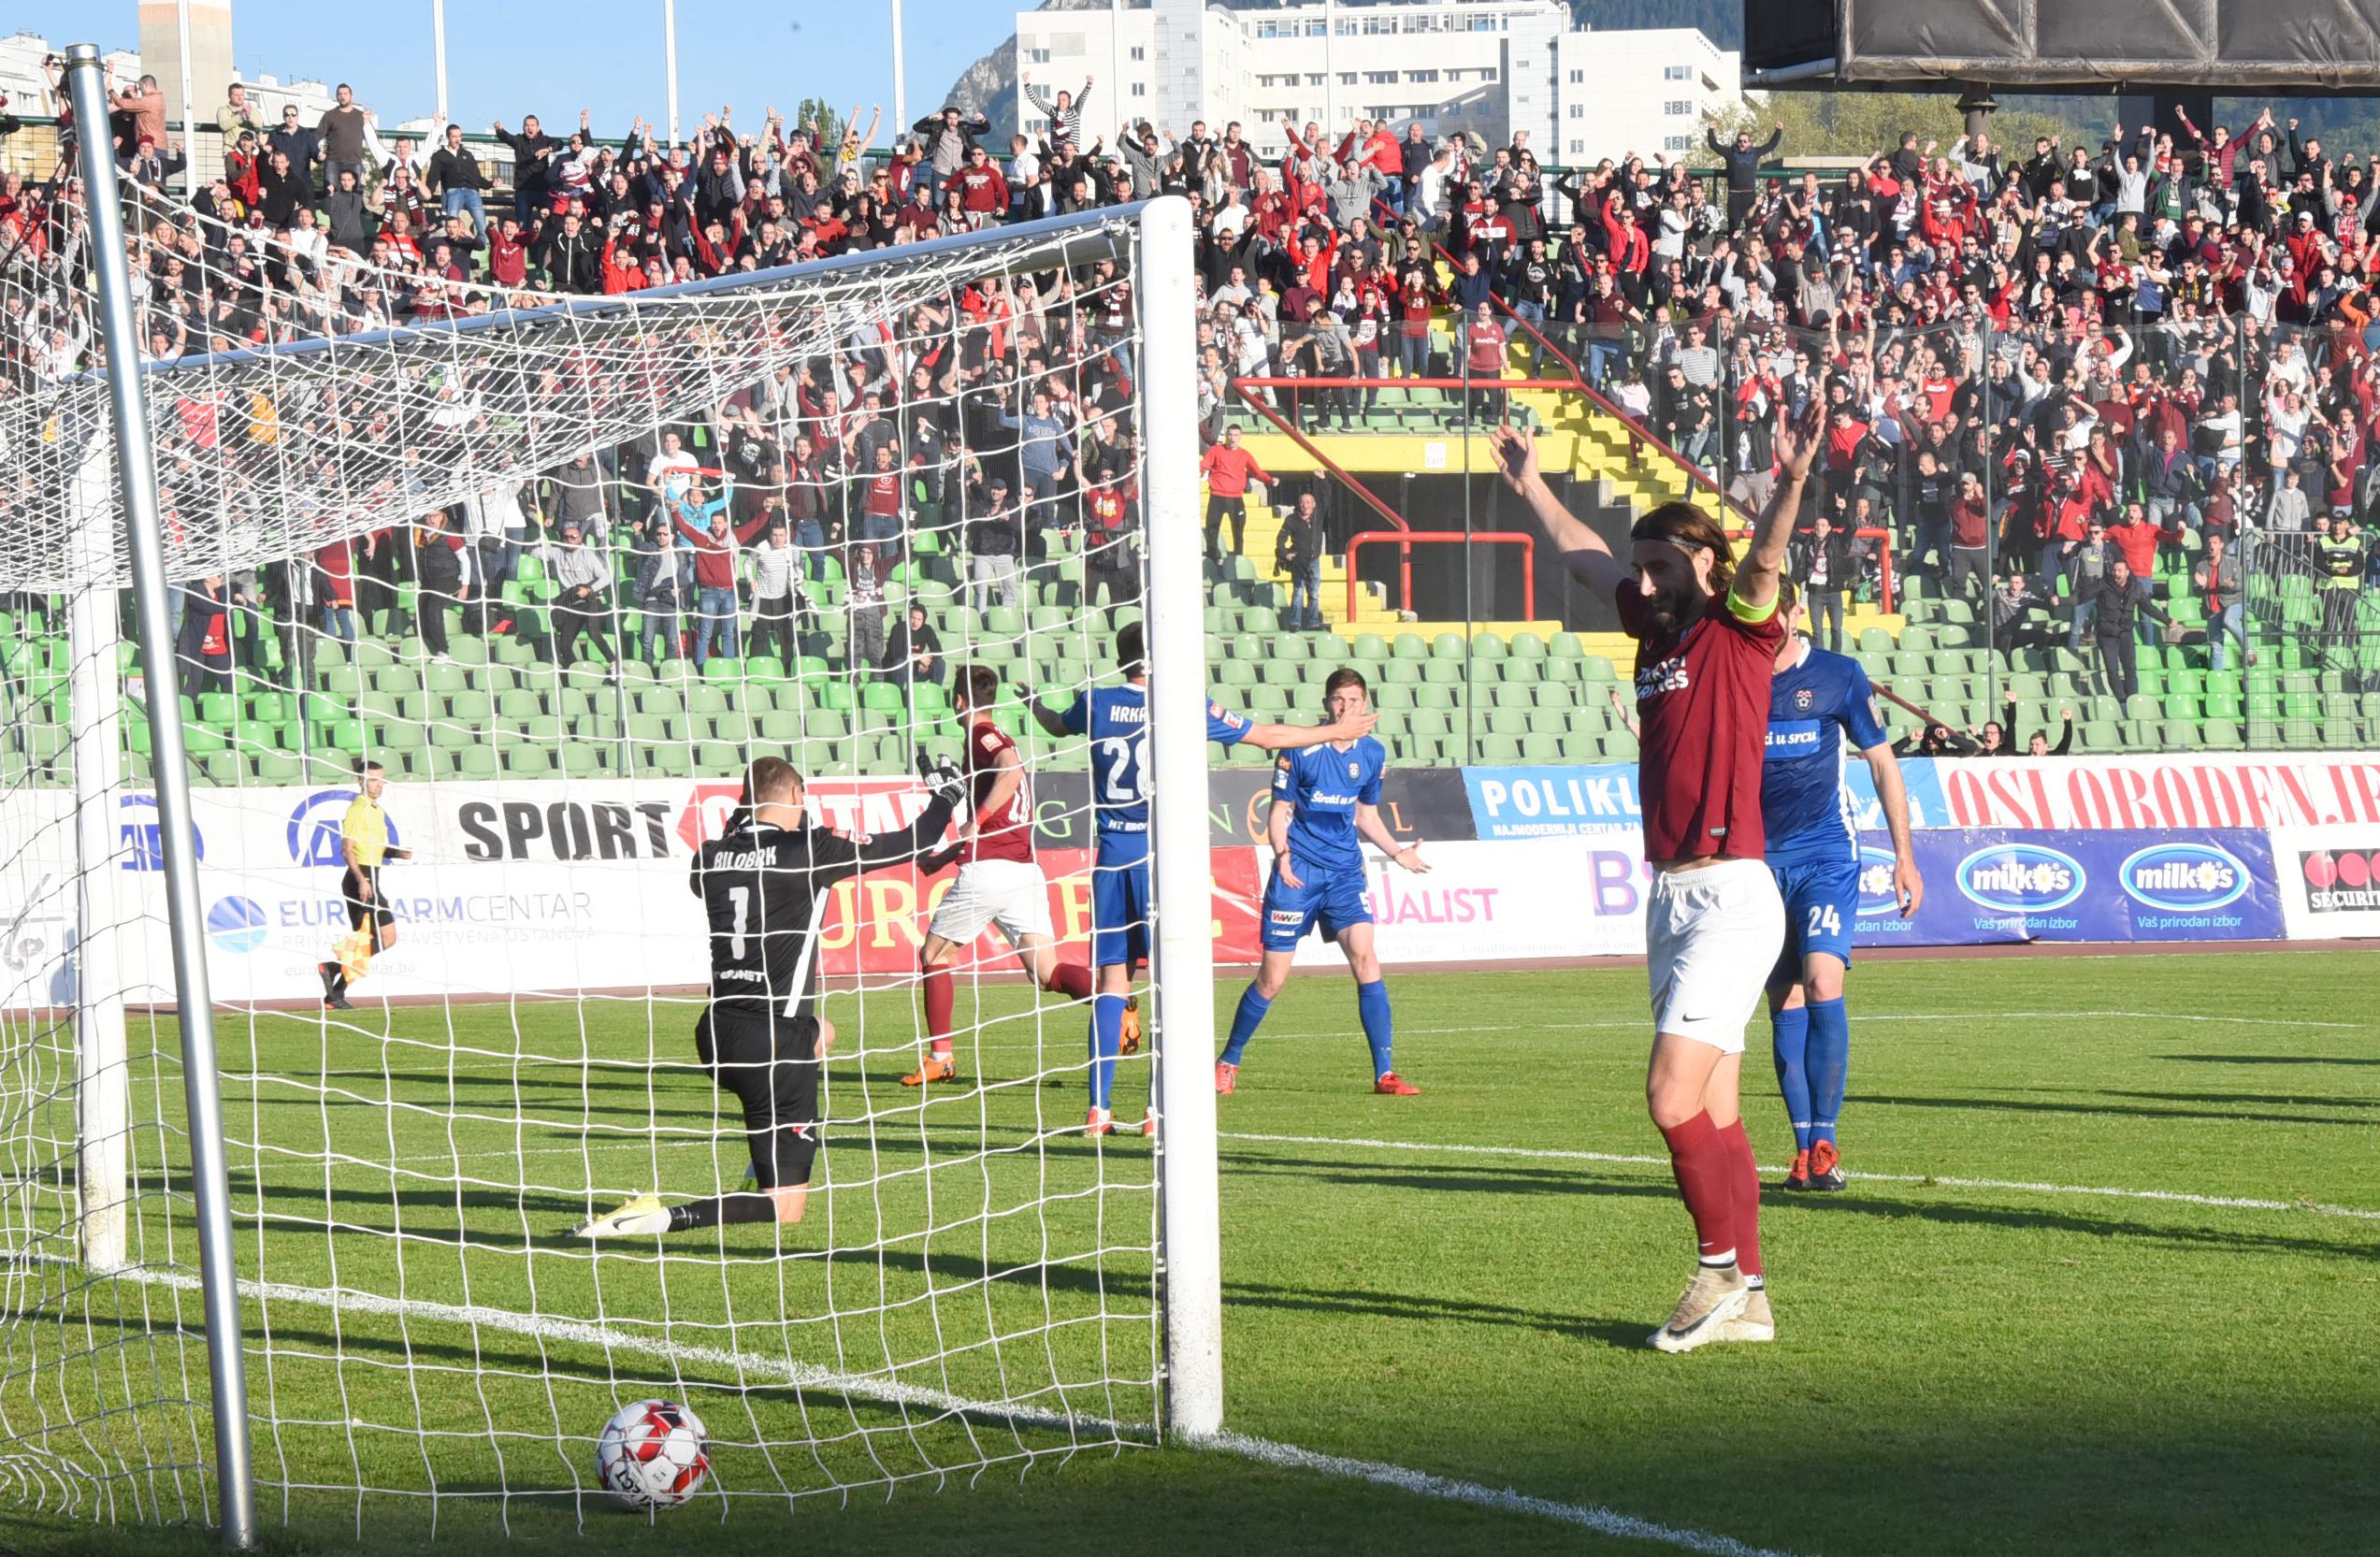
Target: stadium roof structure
(2238,45)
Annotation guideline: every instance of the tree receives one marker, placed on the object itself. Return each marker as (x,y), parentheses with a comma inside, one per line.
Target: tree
(819,118)
(1862,124)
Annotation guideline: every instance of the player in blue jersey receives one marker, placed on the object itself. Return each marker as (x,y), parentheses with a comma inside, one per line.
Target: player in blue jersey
(1325,799)
(1116,720)
(1817,701)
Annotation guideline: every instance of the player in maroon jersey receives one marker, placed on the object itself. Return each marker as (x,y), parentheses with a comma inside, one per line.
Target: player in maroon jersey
(999,881)
(1706,632)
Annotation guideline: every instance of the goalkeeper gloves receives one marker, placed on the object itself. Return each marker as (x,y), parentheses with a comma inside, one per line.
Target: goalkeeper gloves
(942,779)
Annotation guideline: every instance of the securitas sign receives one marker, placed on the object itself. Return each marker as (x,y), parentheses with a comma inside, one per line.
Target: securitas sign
(2341,881)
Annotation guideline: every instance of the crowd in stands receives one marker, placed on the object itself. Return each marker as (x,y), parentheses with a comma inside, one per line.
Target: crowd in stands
(2054,374)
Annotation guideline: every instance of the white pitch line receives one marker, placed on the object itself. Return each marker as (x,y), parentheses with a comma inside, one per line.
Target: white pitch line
(1603,1522)
(2233,1203)
(750,1367)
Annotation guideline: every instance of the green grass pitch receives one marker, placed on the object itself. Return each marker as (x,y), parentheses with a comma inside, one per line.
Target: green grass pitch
(1980,1350)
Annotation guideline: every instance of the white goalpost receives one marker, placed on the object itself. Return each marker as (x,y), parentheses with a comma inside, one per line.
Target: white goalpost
(271,1260)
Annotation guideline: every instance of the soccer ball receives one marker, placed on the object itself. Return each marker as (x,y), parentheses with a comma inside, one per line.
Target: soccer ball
(653,1455)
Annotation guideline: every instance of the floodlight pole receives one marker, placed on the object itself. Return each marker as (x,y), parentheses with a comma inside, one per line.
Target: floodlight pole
(437,48)
(136,469)
(189,110)
(1190,1242)
(900,83)
(669,62)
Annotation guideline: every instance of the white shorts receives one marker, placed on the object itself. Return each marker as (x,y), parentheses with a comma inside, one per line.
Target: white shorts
(1711,936)
(1010,893)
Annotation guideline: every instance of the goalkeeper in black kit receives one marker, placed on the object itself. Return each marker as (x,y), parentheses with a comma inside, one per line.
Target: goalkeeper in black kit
(765,885)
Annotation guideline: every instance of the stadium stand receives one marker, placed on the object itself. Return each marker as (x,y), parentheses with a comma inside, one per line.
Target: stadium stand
(2170,340)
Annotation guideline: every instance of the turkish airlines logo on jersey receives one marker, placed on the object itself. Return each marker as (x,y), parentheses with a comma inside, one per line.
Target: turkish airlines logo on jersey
(1669,675)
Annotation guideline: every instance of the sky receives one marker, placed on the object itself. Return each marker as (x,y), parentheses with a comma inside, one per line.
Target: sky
(506,59)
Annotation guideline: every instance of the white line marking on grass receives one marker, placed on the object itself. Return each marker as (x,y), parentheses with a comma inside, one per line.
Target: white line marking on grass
(750,1368)
(1603,1522)
(2233,1203)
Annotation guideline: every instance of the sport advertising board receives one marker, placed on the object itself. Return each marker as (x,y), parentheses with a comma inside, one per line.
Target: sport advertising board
(529,886)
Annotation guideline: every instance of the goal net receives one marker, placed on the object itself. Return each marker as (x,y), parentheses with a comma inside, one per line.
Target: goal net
(474,538)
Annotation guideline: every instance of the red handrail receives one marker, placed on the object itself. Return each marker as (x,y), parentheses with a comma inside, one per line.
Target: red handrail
(1256,403)
(1308,382)
(1694,476)
(1405,539)
(1885,551)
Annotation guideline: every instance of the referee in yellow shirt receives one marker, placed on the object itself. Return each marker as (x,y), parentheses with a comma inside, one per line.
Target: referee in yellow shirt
(363,834)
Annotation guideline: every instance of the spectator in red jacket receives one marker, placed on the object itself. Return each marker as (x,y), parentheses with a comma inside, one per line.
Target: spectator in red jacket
(983,190)
(1228,469)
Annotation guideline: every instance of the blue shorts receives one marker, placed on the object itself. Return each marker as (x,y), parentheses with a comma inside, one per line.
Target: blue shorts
(1822,909)
(1338,898)
(1119,914)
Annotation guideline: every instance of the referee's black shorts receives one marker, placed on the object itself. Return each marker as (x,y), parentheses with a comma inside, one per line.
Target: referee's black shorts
(359,911)
(771,1063)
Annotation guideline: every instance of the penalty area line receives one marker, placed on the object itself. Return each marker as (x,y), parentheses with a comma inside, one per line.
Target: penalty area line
(749,1369)
(2229,1203)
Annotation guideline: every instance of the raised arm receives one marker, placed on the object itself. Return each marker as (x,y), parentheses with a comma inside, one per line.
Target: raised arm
(1285,738)
(1798,439)
(1583,552)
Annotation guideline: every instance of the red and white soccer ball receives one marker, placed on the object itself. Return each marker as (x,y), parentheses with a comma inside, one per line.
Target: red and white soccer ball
(654,1454)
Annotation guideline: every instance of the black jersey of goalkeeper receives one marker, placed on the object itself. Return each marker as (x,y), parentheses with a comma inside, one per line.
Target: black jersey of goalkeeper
(765,890)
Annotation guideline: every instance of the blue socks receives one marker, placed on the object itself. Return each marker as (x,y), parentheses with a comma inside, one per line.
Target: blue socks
(1380,1031)
(1106,1043)
(1371,1004)
(1829,1064)
(1245,1022)
(1789,1032)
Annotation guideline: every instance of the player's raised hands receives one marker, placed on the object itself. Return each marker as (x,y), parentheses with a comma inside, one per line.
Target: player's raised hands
(943,778)
(1800,438)
(1516,451)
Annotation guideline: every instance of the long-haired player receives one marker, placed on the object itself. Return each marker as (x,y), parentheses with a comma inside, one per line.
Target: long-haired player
(1708,632)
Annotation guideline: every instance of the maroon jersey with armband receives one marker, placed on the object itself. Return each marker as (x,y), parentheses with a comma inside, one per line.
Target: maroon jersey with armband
(1008,833)
(1702,699)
